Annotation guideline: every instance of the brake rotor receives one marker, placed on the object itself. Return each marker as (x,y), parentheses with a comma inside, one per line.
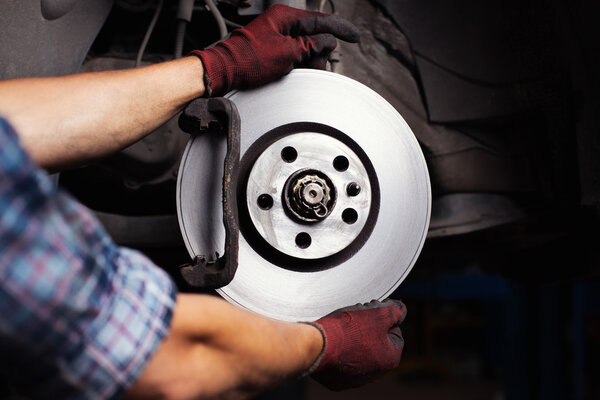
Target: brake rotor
(333,196)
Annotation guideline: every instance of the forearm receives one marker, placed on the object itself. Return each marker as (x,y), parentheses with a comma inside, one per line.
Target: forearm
(70,120)
(217,350)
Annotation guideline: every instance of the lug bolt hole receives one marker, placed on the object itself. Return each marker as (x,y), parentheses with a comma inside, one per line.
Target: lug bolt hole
(265,201)
(341,163)
(289,154)
(353,189)
(349,215)
(303,240)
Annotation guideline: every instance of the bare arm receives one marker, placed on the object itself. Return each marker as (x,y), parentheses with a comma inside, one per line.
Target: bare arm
(70,120)
(216,350)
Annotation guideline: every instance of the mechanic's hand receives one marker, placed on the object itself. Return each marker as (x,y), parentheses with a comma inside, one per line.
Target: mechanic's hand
(270,46)
(361,343)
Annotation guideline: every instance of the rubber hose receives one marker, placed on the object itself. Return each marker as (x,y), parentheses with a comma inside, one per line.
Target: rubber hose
(218,17)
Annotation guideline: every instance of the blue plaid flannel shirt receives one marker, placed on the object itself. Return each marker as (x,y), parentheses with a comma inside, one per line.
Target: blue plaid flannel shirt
(79,316)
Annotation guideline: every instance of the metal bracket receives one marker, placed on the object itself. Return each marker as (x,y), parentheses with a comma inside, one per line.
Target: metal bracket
(200,116)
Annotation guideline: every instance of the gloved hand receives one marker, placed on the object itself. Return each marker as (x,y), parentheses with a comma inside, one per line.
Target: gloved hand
(270,46)
(361,343)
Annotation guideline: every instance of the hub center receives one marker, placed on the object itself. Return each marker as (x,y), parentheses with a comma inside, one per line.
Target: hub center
(309,195)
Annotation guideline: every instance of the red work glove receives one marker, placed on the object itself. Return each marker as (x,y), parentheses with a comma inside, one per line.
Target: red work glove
(270,46)
(361,343)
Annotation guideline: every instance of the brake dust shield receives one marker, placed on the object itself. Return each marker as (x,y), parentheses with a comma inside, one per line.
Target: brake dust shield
(333,197)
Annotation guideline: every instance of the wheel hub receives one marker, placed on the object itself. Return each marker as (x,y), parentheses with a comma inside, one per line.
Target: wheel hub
(309,196)
(300,205)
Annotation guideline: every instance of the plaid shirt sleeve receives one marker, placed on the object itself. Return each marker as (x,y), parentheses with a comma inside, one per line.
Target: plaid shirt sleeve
(79,316)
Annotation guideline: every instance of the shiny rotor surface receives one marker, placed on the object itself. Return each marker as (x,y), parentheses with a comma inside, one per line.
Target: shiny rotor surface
(383,261)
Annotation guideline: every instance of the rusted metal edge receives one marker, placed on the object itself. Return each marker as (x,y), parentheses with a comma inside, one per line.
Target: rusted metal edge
(200,116)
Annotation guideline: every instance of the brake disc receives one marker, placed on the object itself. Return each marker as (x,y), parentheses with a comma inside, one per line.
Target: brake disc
(333,196)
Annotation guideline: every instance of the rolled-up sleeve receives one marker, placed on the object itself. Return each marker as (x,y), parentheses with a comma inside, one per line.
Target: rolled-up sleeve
(79,316)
